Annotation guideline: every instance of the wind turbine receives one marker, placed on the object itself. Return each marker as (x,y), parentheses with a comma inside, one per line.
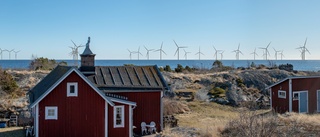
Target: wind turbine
(266,51)
(254,54)
(237,51)
(216,52)
(75,53)
(15,54)
(148,51)
(186,54)
(178,48)
(276,53)
(131,53)
(281,54)
(160,50)
(1,51)
(303,50)
(10,53)
(221,54)
(199,52)
(139,53)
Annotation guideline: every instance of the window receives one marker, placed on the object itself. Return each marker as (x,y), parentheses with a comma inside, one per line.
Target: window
(118,116)
(51,113)
(72,89)
(295,96)
(281,94)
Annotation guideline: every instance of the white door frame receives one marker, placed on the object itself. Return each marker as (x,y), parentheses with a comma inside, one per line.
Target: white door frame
(299,100)
(318,100)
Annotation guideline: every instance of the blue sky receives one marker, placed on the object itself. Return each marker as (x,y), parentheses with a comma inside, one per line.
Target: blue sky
(46,28)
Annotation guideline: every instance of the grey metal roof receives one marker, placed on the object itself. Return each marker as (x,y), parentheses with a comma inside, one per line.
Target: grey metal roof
(47,82)
(292,77)
(128,78)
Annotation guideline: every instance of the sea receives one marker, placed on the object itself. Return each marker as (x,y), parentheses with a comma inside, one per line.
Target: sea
(301,65)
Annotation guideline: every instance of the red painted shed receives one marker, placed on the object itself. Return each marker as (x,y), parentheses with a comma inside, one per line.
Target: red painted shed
(296,94)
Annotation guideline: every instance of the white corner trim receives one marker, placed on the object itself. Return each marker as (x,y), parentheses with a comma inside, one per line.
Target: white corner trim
(161,111)
(130,121)
(75,84)
(290,95)
(318,99)
(106,119)
(122,116)
(37,121)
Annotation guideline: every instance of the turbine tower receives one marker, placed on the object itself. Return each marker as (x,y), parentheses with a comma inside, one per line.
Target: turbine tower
(199,52)
(221,54)
(237,51)
(254,54)
(161,51)
(178,49)
(303,50)
(1,51)
(15,54)
(281,54)
(216,52)
(276,53)
(74,53)
(266,53)
(148,52)
(131,52)
(186,54)
(10,53)
(139,53)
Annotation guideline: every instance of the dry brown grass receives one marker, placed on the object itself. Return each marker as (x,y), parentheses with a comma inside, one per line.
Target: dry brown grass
(12,132)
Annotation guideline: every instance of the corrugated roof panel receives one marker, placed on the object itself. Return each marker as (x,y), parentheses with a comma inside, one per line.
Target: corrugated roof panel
(151,77)
(142,76)
(133,77)
(107,76)
(124,76)
(116,76)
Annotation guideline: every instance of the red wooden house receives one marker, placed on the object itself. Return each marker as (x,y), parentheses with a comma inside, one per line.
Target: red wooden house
(97,101)
(296,94)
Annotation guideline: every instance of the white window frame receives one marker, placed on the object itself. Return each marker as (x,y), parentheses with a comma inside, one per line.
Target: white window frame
(55,113)
(75,94)
(115,116)
(293,97)
(282,91)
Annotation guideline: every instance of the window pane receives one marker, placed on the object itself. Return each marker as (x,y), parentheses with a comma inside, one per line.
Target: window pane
(71,88)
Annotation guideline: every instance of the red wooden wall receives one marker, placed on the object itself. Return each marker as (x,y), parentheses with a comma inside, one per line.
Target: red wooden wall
(118,131)
(81,116)
(311,85)
(280,105)
(148,108)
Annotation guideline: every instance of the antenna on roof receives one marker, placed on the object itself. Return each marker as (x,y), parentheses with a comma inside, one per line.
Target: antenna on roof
(75,52)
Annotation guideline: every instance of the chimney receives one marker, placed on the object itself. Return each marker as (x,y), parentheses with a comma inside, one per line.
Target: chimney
(87,60)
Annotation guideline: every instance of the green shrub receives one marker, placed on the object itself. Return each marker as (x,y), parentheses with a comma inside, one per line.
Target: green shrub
(167,68)
(7,83)
(179,68)
(217,92)
(44,64)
